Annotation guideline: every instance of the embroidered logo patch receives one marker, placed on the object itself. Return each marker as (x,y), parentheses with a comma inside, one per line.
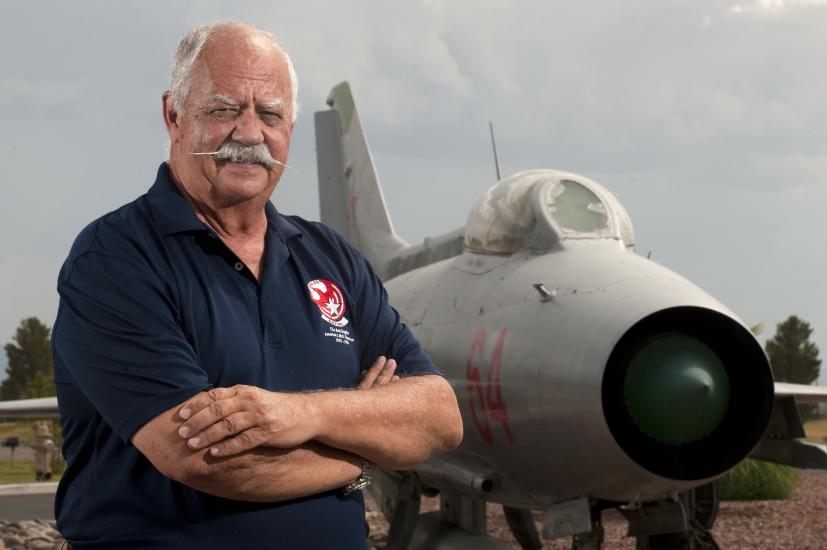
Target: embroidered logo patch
(329,299)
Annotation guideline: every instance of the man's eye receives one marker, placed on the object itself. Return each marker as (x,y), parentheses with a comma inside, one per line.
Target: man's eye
(223,114)
(271,117)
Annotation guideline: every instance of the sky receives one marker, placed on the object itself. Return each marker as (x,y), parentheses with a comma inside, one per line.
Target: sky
(706,118)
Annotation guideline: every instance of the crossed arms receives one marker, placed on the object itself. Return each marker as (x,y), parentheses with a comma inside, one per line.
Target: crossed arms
(274,446)
(250,444)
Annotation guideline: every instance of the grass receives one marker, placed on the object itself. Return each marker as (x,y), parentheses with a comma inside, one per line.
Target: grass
(22,472)
(24,429)
(816,430)
(757,480)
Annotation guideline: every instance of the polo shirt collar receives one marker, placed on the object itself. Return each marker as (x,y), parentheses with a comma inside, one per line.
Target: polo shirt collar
(175,215)
(281,224)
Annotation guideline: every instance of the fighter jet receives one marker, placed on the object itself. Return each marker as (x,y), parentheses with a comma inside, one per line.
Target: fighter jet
(589,377)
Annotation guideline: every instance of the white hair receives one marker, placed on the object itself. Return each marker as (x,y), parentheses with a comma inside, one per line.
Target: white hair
(189,48)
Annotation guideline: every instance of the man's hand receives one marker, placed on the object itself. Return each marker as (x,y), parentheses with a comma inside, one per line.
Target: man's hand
(381,372)
(240,418)
(244,417)
(393,424)
(264,474)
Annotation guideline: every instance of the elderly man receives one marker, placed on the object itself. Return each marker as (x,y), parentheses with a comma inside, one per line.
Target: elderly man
(202,404)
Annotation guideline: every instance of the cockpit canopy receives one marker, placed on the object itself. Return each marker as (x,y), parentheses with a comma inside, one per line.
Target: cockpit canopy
(540,208)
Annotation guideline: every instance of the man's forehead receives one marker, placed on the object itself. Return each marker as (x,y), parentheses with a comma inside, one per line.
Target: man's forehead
(229,76)
(237,69)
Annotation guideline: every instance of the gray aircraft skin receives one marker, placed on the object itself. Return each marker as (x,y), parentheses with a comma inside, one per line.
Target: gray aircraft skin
(588,376)
(584,372)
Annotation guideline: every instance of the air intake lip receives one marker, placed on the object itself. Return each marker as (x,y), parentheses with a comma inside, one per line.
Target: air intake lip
(675,352)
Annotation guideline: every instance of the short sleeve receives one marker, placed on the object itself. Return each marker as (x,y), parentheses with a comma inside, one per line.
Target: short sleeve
(382,329)
(118,338)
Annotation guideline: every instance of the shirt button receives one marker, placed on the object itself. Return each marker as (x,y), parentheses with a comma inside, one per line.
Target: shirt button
(238,266)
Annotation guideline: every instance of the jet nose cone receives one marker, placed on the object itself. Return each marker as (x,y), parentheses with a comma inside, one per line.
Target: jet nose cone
(698,381)
(687,393)
(676,389)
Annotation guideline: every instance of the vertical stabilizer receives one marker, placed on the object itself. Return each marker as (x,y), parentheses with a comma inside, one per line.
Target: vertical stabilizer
(350,198)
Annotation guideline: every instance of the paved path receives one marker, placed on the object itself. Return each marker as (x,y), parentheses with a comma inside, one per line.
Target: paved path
(27,501)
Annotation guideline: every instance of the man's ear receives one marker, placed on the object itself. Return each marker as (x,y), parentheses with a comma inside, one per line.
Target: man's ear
(170,116)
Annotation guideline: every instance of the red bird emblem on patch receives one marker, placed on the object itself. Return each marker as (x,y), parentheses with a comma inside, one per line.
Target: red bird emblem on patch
(329,299)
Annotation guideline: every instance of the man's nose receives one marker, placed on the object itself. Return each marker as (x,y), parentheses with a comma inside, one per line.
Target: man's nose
(247,128)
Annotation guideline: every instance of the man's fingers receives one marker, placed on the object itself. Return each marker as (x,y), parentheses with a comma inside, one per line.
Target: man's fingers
(209,415)
(246,440)
(226,427)
(203,399)
(387,373)
(194,405)
(370,375)
(381,372)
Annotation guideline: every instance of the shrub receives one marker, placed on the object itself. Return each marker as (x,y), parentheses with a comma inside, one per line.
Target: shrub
(757,480)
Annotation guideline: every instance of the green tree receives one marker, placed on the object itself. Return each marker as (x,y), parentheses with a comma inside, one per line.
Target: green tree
(30,371)
(793,357)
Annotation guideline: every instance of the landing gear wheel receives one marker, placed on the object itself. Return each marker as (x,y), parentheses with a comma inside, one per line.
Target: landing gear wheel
(702,505)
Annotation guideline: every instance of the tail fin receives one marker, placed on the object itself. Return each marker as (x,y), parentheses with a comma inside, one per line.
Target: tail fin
(350,197)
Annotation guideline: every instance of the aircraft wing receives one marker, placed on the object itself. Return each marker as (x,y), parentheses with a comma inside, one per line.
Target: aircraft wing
(801,392)
(47,406)
(41,407)
(782,442)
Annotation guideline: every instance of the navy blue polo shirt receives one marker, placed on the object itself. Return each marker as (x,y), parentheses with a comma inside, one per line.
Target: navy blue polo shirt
(154,308)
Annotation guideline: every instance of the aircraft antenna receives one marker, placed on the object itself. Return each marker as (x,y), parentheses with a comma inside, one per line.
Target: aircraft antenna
(494,147)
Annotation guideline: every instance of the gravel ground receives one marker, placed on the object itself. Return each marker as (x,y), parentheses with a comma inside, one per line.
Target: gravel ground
(799,523)
(29,535)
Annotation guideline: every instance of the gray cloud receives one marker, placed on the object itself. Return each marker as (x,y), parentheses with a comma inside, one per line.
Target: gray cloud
(707,121)
(21,98)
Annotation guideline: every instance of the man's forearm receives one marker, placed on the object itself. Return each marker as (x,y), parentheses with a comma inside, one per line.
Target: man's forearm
(264,474)
(395,425)
(267,474)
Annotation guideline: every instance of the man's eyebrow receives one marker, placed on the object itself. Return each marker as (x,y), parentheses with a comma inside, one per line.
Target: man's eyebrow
(225,100)
(274,105)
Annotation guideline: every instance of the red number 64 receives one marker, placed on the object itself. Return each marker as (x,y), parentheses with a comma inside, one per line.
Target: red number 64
(486,403)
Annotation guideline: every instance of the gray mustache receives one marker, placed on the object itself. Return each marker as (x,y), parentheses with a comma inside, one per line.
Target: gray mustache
(233,151)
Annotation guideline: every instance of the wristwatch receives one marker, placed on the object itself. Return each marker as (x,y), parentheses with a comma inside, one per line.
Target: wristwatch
(360,482)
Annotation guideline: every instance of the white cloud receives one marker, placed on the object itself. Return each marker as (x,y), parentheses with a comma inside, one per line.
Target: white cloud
(715,106)
(381,50)
(771,7)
